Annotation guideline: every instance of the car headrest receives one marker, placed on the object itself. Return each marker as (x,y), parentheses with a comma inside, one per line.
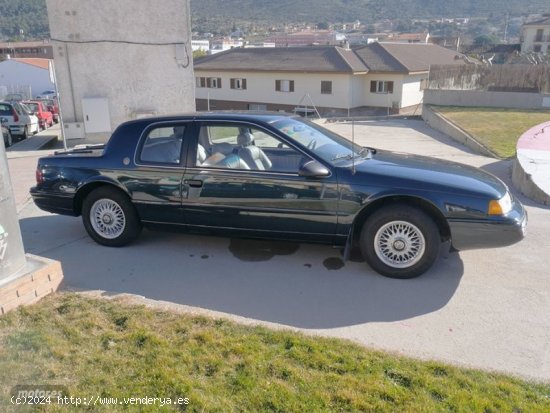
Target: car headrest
(245,139)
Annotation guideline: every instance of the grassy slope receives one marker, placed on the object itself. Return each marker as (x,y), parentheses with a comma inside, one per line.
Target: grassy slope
(105,348)
(496,128)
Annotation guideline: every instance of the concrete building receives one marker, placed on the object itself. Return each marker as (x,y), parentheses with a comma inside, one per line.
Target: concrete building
(117,61)
(536,36)
(380,75)
(29,77)
(41,50)
(203,45)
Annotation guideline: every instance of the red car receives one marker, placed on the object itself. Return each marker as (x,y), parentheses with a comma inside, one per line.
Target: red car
(52,106)
(45,117)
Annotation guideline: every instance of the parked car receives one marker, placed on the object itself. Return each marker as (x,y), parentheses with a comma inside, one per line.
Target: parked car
(21,122)
(53,107)
(282,177)
(47,94)
(8,140)
(14,97)
(37,107)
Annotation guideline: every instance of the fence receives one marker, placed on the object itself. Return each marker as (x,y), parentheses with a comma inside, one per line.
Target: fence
(497,78)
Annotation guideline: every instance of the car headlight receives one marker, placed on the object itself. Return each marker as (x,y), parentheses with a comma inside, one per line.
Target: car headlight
(500,206)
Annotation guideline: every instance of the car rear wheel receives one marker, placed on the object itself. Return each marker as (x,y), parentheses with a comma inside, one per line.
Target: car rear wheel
(8,139)
(400,241)
(25,132)
(110,218)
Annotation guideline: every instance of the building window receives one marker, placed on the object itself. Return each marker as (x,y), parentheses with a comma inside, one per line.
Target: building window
(381,86)
(284,85)
(423,84)
(538,36)
(239,84)
(326,87)
(537,48)
(200,82)
(214,82)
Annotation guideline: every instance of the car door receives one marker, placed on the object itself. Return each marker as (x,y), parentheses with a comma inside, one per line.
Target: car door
(155,182)
(223,189)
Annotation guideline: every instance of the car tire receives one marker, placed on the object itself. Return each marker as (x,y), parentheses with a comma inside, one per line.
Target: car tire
(25,132)
(400,241)
(110,217)
(8,139)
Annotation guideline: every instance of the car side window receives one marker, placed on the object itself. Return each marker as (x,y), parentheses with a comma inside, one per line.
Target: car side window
(242,147)
(163,145)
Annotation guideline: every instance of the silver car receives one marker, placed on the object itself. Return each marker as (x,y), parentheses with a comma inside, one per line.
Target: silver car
(20,119)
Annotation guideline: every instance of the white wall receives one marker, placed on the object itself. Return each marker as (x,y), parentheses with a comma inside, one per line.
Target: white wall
(261,88)
(412,95)
(528,39)
(348,91)
(134,78)
(13,73)
(383,99)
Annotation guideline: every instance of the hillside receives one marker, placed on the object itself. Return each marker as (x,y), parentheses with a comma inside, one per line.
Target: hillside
(27,18)
(365,10)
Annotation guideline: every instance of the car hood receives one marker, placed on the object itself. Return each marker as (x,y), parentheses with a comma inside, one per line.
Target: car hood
(422,172)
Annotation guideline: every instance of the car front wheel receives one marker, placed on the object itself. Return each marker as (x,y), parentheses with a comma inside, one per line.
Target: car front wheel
(400,241)
(110,218)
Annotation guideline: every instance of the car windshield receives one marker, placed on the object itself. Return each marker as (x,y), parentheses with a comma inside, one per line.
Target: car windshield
(32,106)
(25,108)
(326,144)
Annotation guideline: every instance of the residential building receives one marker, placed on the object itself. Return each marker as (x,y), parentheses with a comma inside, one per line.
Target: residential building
(307,38)
(536,36)
(41,50)
(333,78)
(409,37)
(222,45)
(29,77)
(203,45)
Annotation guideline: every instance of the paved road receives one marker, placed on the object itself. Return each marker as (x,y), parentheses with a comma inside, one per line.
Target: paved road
(487,309)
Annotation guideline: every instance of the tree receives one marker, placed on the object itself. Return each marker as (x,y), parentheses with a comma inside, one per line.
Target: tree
(485,40)
(199,53)
(323,26)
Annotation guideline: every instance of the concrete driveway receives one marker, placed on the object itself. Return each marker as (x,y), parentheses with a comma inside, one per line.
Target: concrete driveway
(487,309)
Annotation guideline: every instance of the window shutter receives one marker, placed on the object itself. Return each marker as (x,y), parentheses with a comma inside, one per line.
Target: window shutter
(373,86)
(291,89)
(208,82)
(390,87)
(232,83)
(278,85)
(243,83)
(203,82)
(219,83)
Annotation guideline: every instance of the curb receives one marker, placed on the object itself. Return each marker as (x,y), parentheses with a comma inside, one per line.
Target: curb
(530,168)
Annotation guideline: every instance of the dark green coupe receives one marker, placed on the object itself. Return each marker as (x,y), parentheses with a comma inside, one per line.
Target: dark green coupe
(280,177)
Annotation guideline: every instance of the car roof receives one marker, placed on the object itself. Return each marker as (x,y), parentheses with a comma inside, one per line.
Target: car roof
(266,117)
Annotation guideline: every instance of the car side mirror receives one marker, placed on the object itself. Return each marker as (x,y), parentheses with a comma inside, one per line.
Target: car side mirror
(313,169)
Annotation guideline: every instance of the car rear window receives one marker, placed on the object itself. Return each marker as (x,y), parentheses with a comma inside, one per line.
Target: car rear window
(32,106)
(5,110)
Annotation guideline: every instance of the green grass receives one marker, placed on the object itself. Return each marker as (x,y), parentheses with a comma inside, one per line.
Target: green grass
(496,128)
(111,349)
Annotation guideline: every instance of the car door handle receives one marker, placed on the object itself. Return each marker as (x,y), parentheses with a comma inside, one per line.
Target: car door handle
(195,183)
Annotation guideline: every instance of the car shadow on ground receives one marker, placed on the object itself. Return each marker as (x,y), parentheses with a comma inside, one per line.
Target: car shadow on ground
(299,285)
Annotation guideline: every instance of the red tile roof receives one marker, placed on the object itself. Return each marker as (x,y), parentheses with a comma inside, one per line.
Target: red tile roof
(33,61)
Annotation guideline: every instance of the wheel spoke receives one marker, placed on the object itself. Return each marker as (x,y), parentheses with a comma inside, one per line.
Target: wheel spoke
(107,218)
(399,244)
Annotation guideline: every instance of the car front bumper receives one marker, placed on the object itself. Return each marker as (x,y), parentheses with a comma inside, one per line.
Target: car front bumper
(493,232)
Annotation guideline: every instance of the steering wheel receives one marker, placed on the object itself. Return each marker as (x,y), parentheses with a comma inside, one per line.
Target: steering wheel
(312,144)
